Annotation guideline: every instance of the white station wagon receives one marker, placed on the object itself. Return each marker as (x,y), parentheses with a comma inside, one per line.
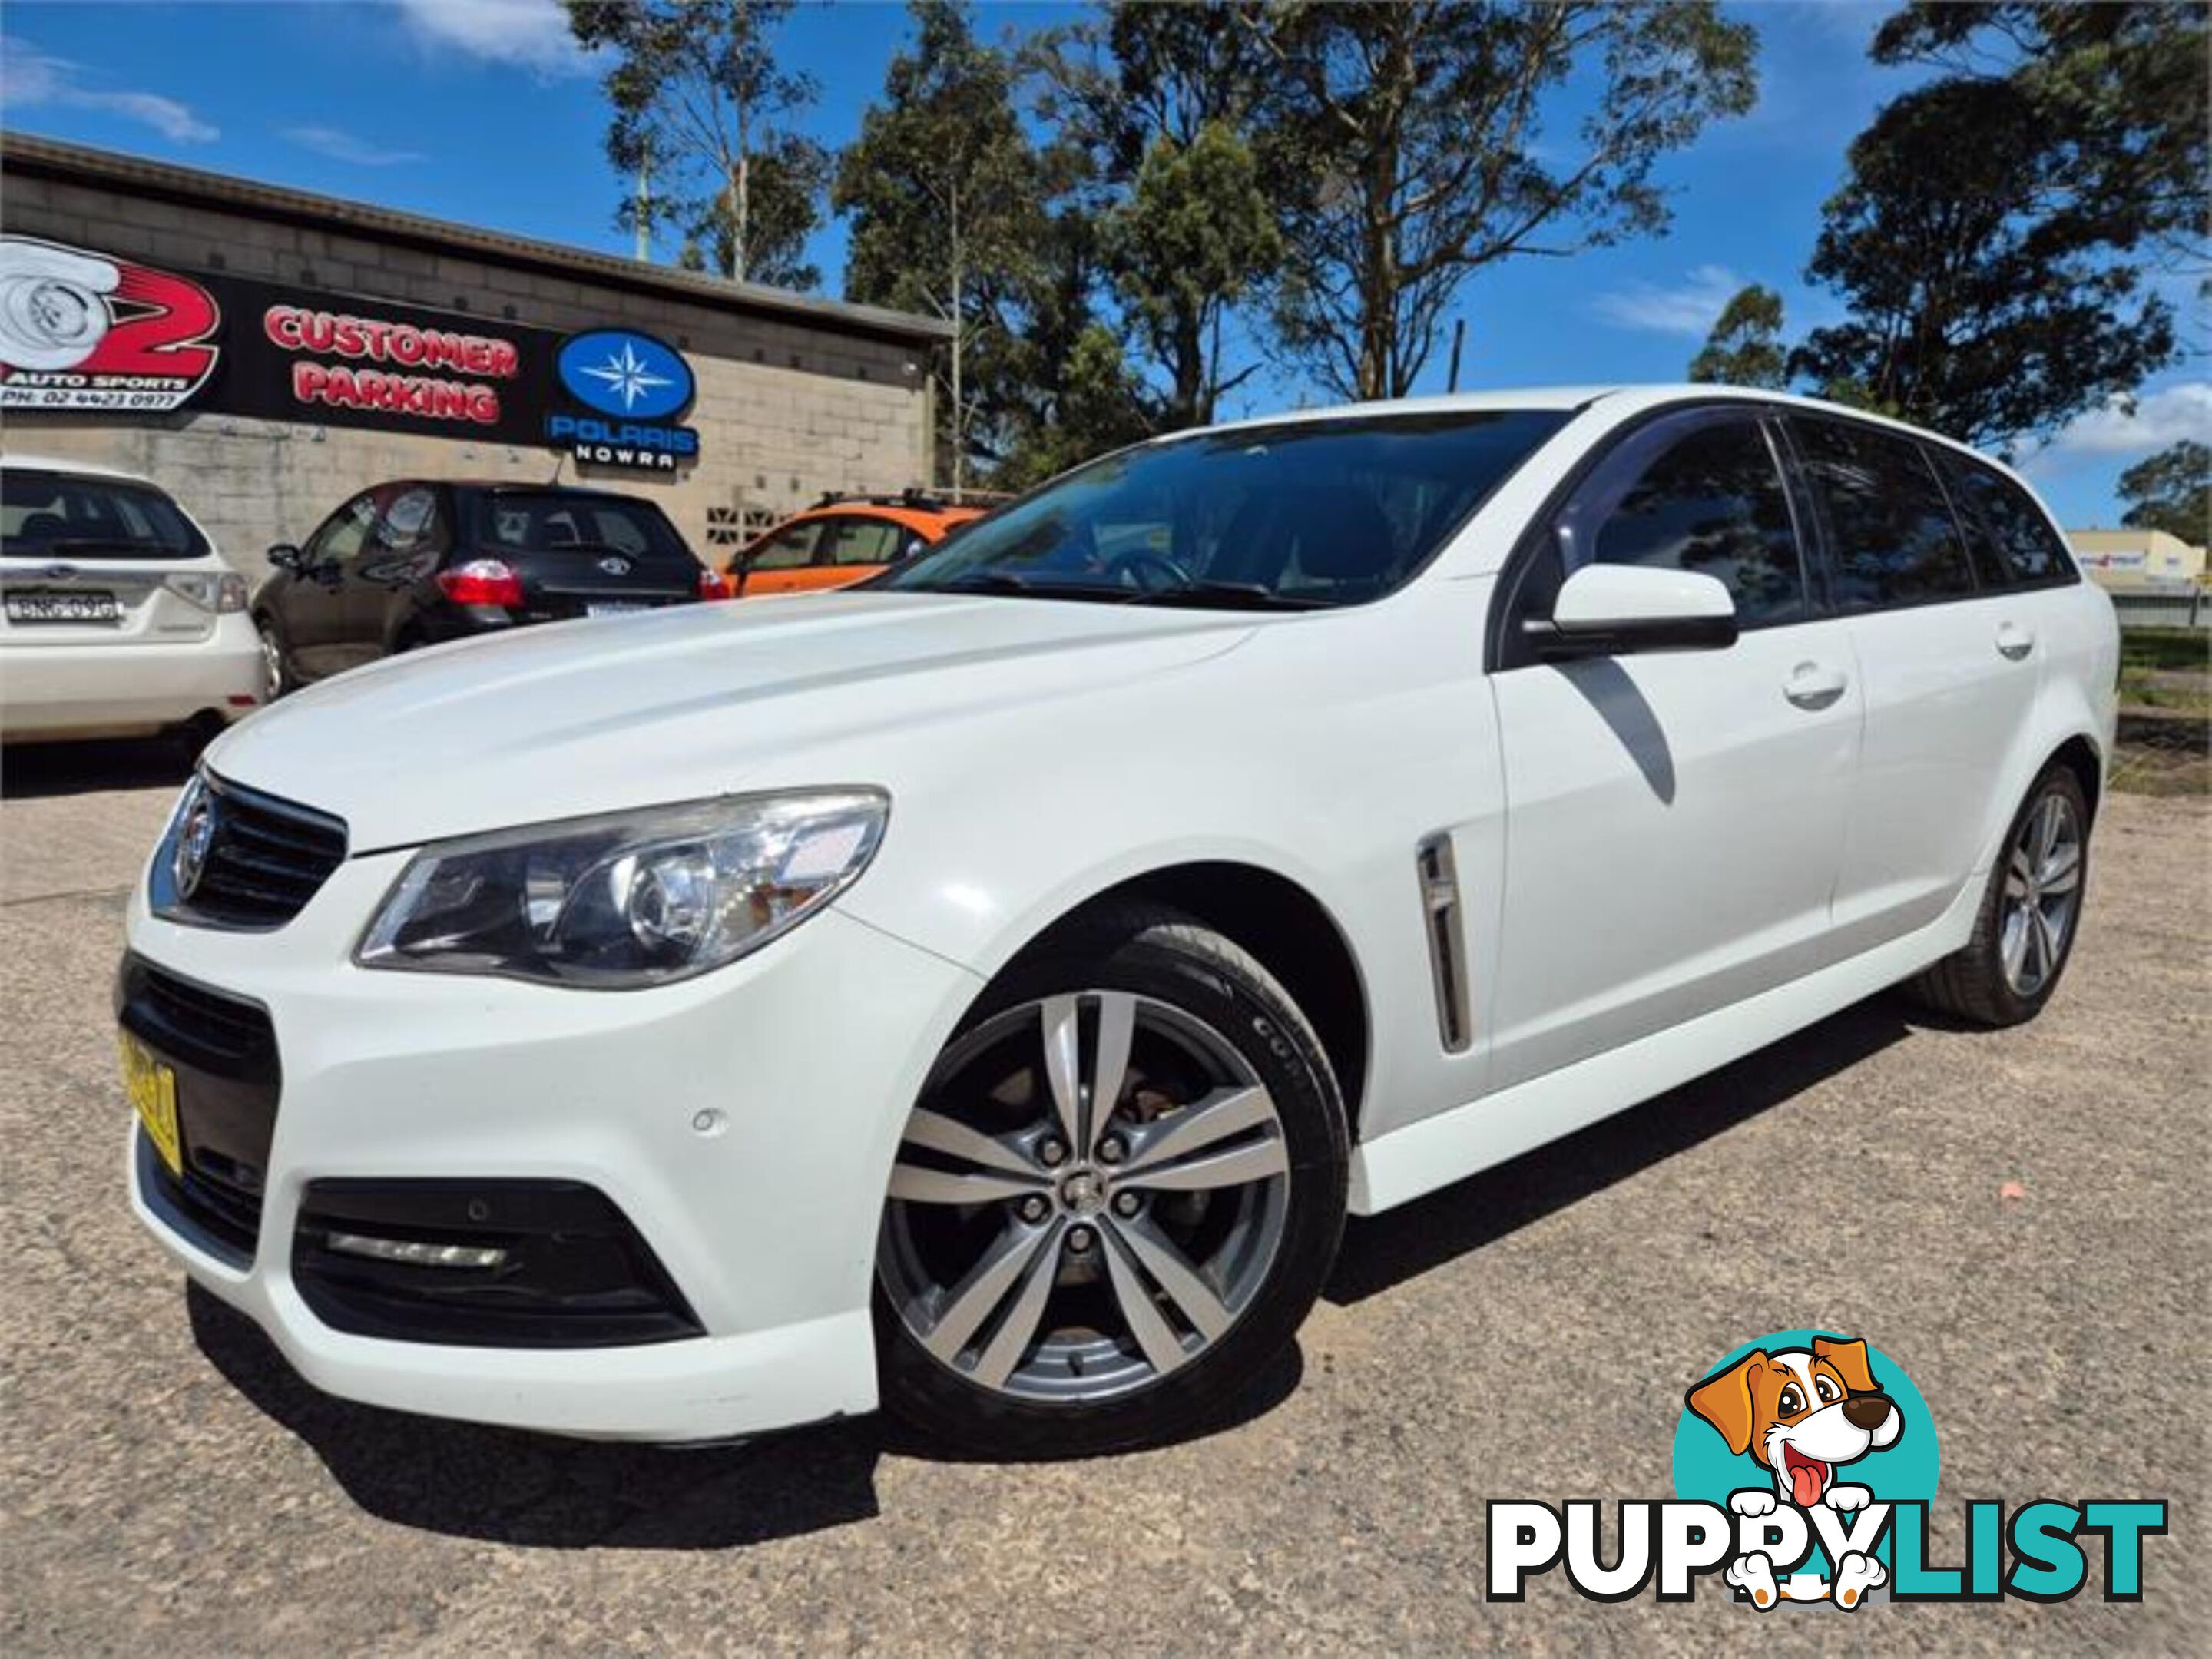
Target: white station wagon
(988,990)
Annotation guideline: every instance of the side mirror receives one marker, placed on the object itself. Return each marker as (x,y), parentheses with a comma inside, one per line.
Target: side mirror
(283,555)
(1615,610)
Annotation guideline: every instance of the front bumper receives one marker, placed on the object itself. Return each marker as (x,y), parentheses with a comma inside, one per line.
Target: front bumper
(744,1122)
(103,690)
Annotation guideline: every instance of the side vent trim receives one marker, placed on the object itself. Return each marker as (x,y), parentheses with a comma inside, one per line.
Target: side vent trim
(1440,906)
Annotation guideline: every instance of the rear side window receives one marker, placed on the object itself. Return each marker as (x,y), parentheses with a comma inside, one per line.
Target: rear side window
(862,541)
(411,524)
(2013,541)
(64,515)
(531,521)
(788,549)
(1714,502)
(1890,524)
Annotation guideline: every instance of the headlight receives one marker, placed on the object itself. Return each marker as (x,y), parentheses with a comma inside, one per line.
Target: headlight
(629,899)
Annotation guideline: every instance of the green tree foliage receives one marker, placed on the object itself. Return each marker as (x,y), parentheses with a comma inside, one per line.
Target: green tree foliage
(1992,238)
(1408,147)
(2171,491)
(1971,312)
(955,214)
(944,194)
(2122,89)
(1163,100)
(1744,347)
(702,115)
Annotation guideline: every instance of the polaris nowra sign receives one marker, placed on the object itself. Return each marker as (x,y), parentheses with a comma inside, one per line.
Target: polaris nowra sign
(635,388)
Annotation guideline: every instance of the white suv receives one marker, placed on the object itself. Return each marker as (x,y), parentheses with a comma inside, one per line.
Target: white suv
(994,985)
(117,616)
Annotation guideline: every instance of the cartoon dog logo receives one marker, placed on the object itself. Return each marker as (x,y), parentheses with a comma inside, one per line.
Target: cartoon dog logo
(1802,1414)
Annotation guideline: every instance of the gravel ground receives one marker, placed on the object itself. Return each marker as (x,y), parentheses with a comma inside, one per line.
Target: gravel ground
(2018,1219)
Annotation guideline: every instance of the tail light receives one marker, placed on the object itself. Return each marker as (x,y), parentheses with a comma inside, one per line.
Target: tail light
(714,584)
(481,581)
(221,592)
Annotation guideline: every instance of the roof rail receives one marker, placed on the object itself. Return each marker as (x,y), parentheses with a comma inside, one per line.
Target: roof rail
(920,500)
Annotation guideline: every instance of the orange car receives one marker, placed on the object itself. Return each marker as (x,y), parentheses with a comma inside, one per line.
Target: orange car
(843,540)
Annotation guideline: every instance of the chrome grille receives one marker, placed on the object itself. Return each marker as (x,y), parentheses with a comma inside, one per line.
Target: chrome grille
(265,859)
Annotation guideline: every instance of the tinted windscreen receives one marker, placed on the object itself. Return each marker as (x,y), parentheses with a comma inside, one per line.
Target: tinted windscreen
(65,516)
(2015,542)
(549,522)
(1895,540)
(1322,512)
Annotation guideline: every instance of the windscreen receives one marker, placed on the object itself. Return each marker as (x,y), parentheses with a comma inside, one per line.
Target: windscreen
(1303,514)
(548,521)
(66,516)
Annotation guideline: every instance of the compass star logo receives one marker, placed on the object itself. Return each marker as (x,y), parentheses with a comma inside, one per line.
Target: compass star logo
(628,376)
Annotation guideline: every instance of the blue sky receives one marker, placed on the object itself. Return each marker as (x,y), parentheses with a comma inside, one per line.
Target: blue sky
(480,110)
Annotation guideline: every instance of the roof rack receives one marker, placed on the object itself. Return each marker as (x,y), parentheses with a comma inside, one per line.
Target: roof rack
(920,500)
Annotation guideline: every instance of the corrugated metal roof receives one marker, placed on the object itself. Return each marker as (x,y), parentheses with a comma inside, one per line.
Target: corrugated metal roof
(35,156)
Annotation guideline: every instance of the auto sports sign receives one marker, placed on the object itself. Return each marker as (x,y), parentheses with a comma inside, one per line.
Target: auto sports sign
(82,331)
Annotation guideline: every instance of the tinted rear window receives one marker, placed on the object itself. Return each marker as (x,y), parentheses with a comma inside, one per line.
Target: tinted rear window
(548,521)
(2013,541)
(1895,541)
(65,515)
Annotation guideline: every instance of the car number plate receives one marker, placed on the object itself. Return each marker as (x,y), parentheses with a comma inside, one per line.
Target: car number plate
(152,1087)
(614,608)
(95,605)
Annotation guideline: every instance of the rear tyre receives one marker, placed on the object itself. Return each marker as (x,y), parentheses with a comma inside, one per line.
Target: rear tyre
(2024,933)
(1119,1194)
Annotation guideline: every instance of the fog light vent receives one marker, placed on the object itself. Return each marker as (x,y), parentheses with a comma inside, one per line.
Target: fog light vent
(503,1263)
(415,1253)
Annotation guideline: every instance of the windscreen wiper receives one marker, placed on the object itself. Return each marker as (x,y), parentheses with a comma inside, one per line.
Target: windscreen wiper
(1009,581)
(1227,596)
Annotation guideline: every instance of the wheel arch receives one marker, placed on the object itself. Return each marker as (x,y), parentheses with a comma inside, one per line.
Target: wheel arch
(2079,754)
(1280,923)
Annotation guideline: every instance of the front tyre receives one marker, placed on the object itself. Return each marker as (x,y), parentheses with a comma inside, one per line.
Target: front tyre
(1118,1196)
(2024,933)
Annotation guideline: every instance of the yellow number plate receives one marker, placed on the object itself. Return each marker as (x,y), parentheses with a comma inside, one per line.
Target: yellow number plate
(152,1087)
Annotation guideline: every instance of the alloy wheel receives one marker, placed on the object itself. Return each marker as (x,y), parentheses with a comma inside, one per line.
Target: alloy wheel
(272,664)
(2041,894)
(1091,1191)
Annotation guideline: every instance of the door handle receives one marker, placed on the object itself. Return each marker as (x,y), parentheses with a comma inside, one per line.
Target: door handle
(2014,641)
(1814,686)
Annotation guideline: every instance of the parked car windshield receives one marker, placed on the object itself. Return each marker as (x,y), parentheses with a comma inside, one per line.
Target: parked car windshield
(539,521)
(1296,515)
(67,515)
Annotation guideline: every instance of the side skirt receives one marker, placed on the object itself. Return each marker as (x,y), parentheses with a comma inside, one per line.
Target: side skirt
(1420,1157)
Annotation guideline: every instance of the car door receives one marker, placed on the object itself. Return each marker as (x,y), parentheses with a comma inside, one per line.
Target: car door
(1673,820)
(1948,665)
(407,537)
(780,562)
(312,612)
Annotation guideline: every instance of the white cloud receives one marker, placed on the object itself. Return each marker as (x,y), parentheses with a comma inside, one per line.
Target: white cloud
(341,146)
(2156,419)
(1688,308)
(532,34)
(30,77)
